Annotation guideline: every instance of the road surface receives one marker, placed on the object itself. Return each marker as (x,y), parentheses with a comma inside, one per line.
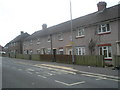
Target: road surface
(18,73)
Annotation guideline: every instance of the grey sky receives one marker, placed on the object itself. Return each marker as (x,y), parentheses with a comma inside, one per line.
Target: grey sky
(29,15)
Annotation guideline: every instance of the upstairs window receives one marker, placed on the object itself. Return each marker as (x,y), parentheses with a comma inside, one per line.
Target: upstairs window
(31,41)
(103,28)
(80,32)
(38,41)
(49,38)
(60,36)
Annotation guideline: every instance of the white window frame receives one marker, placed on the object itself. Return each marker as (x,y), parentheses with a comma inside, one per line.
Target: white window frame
(48,50)
(61,50)
(38,41)
(60,36)
(82,49)
(100,28)
(49,39)
(80,32)
(31,41)
(107,48)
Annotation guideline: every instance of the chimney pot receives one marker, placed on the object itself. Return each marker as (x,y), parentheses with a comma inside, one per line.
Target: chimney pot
(101,5)
(22,32)
(44,26)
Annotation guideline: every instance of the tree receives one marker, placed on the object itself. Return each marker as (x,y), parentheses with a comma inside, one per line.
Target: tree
(91,46)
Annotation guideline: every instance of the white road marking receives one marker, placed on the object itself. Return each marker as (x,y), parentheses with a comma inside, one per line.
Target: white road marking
(69,84)
(56,72)
(37,72)
(30,69)
(20,69)
(91,75)
(50,74)
(42,76)
(29,72)
(100,77)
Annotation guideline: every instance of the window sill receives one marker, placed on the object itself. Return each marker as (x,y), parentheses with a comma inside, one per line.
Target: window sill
(104,33)
(80,36)
(108,58)
(60,40)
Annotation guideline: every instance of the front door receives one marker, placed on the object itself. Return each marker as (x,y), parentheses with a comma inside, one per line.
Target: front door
(54,55)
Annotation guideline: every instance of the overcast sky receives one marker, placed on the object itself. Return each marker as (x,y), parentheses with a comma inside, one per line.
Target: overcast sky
(29,15)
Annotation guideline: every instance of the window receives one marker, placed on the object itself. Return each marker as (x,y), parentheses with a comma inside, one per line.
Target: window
(38,51)
(49,38)
(61,51)
(31,41)
(60,36)
(106,51)
(80,50)
(38,41)
(49,51)
(80,32)
(30,51)
(14,44)
(103,28)
(43,51)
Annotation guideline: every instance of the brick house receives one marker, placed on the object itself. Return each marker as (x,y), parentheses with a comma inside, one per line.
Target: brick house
(1,49)
(15,46)
(93,34)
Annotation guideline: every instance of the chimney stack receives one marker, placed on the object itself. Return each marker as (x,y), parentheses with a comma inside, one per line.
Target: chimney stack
(44,26)
(22,32)
(101,5)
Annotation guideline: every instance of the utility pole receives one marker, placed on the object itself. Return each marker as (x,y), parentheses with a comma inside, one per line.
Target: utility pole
(72,41)
(51,47)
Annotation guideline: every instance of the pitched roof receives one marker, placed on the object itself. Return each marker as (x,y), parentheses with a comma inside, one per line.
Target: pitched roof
(1,46)
(99,16)
(18,38)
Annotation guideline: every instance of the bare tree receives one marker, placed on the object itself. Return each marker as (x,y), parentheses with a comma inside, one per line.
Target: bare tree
(91,46)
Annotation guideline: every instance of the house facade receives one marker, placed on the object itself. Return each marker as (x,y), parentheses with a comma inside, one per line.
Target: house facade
(93,34)
(16,45)
(1,49)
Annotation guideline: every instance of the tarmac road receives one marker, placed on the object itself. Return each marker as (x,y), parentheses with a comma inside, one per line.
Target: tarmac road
(18,73)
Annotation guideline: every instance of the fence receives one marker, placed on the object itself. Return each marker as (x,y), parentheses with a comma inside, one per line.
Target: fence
(116,60)
(64,59)
(88,60)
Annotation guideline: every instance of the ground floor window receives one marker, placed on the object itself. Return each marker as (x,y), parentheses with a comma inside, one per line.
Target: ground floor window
(80,50)
(61,51)
(106,51)
(49,51)
(43,51)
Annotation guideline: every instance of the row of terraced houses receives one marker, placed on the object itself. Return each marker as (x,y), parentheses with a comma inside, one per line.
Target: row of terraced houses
(93,34)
